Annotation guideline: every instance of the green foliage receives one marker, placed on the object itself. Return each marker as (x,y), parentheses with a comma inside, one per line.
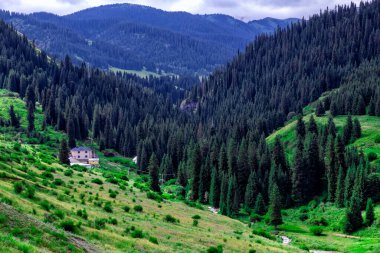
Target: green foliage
(126,209)
(69,225)
(100,223)
(372,156)
(154,196)
(153,240)
(97,181)
(369,213)
(263,233)
(196,217)
(137,233)
(108,207)
(18,187)
(170,218)
(138,208)
(316,230)
(217,249)
(195,223)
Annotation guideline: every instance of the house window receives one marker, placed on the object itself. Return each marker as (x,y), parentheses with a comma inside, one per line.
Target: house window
(78,156)
(86,156)
(86,152)
(78,152)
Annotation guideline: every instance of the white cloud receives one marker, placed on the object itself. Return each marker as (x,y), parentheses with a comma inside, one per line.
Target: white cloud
(243,9)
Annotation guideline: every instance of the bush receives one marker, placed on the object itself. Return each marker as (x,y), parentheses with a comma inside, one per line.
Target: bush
(58,182)
(255,217)
(137,234)
(372,156)
(171,219)
(126,209)
(45,205)
(303,217)
(154,195)
(108,207)
(68,225)
(68,173)
(60,214)
(377,138)
(153,240)
(138,208)
(316,230)
(195,223)
(213,249)
(18,187)
(263,233)
(252,251)
(100,223)
(319,222)
(196,217)
(97,181)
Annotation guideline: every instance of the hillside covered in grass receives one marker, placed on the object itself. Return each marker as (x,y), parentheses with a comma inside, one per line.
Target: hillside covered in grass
(45,206)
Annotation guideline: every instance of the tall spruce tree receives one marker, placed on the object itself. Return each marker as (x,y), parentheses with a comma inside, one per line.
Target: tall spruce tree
(214,188)
(275,216)
(357,129)
(30,98)
(369,213)
(347,131)
(251,191)
(14,118)
(195,163)
(260,207)
(300,175)
(154,173)
(331,169)
(353,219)
(312,126)
(339,194)
(64,152)
(223,194)
(231,196)
(300,128)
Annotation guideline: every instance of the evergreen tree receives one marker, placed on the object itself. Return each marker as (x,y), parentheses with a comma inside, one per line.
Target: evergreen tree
(315,168)
(339,195)
(195,163)
(30,98)
(331,129)
(242,169)
(331,169)
(222,160)
(347,131)
(300,128)
(353,220)
(260,205)
(231,196)
(275,217)
(320,110)
(214,189)
(71,132)
(348,183)
(312,127)
(369,213)
(300,175)
(357,130)
(223,194)
(64,152)
(182,177)
(251,191)
(14,119)
(153,173)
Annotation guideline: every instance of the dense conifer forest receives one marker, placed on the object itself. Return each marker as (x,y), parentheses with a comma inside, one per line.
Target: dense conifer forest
(217,150)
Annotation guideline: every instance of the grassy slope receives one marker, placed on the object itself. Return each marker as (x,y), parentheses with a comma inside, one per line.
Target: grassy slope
(30,161)
(298,230)
(142,73)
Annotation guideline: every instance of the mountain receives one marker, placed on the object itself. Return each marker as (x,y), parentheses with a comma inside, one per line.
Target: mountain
(134,37)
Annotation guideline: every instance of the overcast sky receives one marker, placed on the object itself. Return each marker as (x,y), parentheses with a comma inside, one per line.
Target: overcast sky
(242,9)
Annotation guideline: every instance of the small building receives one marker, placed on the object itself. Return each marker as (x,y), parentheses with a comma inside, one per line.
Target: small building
(84,157)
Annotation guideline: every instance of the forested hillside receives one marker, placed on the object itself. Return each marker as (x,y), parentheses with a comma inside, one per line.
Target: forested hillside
(132,37)
(214,147)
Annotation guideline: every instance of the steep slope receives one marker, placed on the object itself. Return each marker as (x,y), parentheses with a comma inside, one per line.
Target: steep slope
(49,207)
(130,36)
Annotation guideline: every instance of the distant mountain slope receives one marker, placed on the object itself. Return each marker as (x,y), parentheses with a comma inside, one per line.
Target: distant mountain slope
(133,37)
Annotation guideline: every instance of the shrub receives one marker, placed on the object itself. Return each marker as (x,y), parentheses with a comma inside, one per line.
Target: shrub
(319,222)
(263,233)
(316,230)
(100,223)
(377,138)
(154,195)
(45,205)
(255,217)
(137,234)
(113,195)
(68,173)
(18,187)
(196,217)
(252,251)
(169,218)
(108,207)
(372,156)
(58,182)
(112,221)
(195,223)
(138,208)
(213,249)
(97,181)
(60,214)
(126,209)
(153,240)
(68,225)
(303,216)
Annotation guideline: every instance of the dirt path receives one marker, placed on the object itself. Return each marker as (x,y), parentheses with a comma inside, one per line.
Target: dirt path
(346,236)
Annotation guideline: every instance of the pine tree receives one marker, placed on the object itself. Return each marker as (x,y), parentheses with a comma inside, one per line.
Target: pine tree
(300,175)
(320,110)
(223,194)
(195,168)
(348,183)
(331,129)
(182,177)
(153,173)
(64,152)
(251,191)
(339,195)
(222,159)
(275,217)
(369,213)
(30,98)
(231,196)
(353,220)
(214,189)
(312,127)
(331,169)
(357,130)
(71,132)
(315,166)
(242,169)
(347,131)
(14,119)
(300,128)
(260,205)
